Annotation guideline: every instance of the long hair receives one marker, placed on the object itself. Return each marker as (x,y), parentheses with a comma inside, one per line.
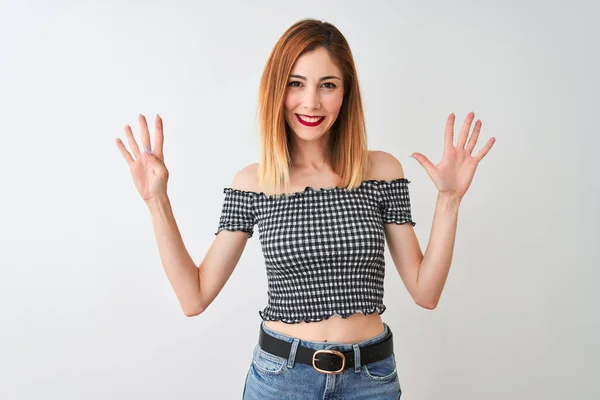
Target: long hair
(347,152)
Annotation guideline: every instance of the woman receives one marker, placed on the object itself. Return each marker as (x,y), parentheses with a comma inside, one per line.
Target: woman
(325,206)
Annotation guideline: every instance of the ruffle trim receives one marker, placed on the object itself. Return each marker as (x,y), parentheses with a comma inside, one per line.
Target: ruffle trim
(249,231)
(401,222)
(376,309)
(310,189)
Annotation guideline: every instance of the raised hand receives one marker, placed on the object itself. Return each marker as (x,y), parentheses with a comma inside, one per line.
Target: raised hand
(454,173)
(147,167)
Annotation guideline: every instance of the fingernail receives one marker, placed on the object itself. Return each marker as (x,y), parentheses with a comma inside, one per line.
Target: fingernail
(411,156)
(148,150)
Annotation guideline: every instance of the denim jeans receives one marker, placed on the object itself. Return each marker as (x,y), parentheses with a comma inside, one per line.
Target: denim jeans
(275,378)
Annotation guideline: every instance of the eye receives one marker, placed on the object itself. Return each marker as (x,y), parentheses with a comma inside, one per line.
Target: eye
(331,85)
(294,84)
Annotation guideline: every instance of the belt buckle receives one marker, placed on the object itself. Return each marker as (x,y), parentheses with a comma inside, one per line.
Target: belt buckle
(337,353)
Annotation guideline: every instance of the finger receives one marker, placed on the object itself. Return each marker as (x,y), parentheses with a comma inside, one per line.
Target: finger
(464,132)
(425,163)
(479,156)
(132,143)
(124,152)
(473,139)
(158,137)
(144,132)
(449,133)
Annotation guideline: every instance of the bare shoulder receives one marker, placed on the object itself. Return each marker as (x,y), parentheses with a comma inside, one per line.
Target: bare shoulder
(384,166)
(246,178)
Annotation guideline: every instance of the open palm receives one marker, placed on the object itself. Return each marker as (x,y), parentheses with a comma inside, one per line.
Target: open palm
(148,170)
(455,171)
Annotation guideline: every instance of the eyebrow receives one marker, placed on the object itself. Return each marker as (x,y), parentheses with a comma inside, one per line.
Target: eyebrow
(322,79)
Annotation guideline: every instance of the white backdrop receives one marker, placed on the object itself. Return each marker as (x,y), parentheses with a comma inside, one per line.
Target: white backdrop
(86,311)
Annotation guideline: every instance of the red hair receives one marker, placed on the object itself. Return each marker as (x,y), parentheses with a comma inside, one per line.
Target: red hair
(348,152)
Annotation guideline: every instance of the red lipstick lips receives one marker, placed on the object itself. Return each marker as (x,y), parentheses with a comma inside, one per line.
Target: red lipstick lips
(305,123)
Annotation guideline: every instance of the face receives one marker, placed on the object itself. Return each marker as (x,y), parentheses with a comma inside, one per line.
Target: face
(314,95)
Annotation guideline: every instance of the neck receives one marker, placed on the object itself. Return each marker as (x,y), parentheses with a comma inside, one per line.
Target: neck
(310,155)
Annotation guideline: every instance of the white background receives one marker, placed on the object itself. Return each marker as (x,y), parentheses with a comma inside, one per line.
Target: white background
(86,311)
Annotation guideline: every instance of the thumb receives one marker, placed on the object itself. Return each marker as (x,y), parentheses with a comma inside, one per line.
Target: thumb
(155,163)
(424,161)
(151,156)
(155,154)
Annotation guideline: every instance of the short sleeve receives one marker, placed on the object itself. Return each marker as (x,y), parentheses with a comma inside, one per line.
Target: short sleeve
(395,201)
(237,213)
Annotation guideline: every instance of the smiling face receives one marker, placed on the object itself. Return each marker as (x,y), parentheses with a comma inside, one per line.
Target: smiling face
(314,95)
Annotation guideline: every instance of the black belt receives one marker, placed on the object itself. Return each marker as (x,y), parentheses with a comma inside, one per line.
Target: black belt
(327,361)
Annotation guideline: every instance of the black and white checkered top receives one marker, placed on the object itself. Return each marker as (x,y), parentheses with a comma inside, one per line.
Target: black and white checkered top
(323,248)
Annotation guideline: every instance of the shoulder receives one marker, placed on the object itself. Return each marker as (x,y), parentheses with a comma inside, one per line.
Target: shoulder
(384,166)
(246,178)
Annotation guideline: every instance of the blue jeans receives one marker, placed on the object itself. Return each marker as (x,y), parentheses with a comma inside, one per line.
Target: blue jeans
(275,378)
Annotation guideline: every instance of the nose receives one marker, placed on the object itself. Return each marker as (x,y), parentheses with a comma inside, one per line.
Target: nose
(311,99)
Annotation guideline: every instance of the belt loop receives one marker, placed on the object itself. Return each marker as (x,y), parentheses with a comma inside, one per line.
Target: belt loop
(292,356)
(356,358)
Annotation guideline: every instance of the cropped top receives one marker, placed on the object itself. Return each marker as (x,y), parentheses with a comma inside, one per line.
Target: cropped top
(323,248)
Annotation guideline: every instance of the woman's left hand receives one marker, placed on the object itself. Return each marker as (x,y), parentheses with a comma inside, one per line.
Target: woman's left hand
(454,173)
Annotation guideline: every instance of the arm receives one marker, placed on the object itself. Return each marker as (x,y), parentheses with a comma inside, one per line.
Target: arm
(425,275)
(435,265)
(195,286)
(176,261)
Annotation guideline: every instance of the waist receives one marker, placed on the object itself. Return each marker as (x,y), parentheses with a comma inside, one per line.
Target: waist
(355,328)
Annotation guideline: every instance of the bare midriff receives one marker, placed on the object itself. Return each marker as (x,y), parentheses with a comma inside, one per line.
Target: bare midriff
(355,328)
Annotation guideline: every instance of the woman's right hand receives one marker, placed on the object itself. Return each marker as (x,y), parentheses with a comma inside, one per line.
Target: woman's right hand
(150,175)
